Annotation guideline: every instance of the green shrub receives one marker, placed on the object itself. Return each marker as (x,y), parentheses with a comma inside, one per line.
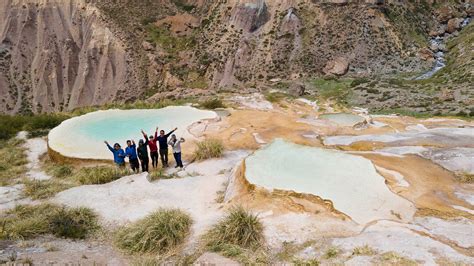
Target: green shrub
(28,221)
(159,232)
(209,148)
(212,103)
(99,175)
(240,228)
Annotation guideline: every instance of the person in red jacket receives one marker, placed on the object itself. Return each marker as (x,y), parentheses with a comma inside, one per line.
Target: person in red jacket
(153,147)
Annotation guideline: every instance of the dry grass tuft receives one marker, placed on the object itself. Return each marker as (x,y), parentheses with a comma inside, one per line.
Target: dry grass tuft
(12,161)
(28,221)
(364,251)
(209,148)
(159,232)
(239,228)
(99,175)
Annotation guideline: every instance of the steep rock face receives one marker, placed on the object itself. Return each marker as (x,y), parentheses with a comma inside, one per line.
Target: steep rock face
(56,55)
(299,38)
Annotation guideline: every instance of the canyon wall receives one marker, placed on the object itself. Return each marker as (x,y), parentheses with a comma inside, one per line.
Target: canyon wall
(57,55)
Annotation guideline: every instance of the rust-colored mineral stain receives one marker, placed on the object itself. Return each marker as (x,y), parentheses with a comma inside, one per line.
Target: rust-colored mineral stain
(431,186)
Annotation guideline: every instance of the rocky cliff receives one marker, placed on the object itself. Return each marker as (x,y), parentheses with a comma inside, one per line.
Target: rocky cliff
(59,55)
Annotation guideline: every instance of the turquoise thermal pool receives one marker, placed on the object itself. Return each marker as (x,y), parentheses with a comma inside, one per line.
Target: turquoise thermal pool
(351,182)
(83,136)
(343,119)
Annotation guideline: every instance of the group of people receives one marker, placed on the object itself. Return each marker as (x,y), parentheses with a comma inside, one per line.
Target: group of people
(139,155)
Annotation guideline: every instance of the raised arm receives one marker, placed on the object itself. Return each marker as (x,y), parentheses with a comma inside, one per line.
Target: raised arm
(108,146)
(144,134)
(156,134)
(171,132)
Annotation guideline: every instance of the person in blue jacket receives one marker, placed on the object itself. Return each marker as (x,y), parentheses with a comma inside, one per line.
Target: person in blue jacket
(131,153)
(119,154)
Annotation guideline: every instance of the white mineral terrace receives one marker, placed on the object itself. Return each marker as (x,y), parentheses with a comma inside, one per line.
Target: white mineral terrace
(83,136)
(343,119)
(350,182)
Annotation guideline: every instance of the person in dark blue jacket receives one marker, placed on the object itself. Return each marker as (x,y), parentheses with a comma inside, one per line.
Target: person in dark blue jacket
(163,143)
(131,152)
(119,154)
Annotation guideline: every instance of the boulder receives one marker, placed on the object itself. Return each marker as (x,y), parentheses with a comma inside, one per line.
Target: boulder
(454,24)
(425,54)
(444,14)
(338,66)
(297,89)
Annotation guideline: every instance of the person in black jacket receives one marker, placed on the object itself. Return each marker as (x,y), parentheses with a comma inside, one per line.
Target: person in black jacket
(142,151)
(163,143)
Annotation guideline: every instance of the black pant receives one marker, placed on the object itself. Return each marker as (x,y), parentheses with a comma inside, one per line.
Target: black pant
(177,158)
(134,165)
(144,163)
(164,157)
(154,158)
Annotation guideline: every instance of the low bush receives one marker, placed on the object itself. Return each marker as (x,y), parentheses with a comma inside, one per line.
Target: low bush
(159,232)
(213,103)
(99,175)
(209,148)
(28,221)
(239,228)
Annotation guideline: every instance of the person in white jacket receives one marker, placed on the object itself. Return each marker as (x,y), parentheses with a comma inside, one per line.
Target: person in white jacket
(176,145)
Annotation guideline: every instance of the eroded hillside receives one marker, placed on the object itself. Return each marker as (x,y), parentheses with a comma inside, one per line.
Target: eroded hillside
(57,55)
(102,51)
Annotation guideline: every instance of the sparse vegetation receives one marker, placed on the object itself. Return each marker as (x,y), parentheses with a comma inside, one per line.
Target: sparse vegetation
(333,88)
(171,44)
(275,97)
(464,177)
(159,174)
(209,148)
(332,252)
(60,170)
(363,251)
(27,221)
(12,160)
(99,175)
(213,103)
(43,189)
(159,232)
(11,125)
(65,176)
(392,258)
